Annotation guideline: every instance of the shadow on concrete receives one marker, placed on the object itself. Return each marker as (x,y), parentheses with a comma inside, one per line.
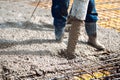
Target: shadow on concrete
(26,52)
(7,44)
(28,25)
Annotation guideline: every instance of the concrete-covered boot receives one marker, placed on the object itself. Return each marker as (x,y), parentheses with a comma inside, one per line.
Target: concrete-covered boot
(91,29)
(59,25)
(95,43)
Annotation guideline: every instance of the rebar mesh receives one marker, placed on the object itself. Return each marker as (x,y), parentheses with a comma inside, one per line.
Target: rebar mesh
(107,68)
(109,13)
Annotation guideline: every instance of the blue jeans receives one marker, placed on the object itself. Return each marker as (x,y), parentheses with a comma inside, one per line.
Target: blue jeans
(92,15)
(59,13)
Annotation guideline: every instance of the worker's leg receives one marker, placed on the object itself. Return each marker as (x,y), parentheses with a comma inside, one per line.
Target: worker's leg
(91,25)
(59,13)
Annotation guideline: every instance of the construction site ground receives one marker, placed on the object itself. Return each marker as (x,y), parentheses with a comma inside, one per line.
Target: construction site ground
(28,47)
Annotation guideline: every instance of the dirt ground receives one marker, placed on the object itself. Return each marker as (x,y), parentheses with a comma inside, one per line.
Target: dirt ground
(27,51)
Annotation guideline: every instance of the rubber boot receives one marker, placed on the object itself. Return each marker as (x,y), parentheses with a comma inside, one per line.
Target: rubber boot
(91,29)
(59,25)
(59,33)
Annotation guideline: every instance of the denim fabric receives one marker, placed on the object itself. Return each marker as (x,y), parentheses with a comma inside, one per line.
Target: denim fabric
(92,15)
(59,13)
(60,7)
